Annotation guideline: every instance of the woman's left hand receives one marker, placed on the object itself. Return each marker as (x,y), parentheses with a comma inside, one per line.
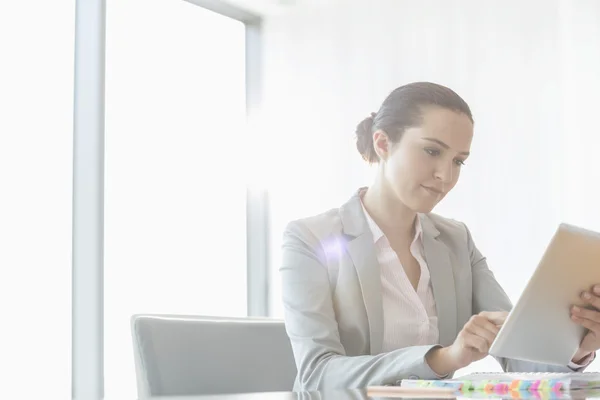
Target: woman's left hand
(590,319)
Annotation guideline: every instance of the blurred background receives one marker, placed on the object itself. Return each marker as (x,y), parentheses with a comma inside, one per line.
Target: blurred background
(220,130)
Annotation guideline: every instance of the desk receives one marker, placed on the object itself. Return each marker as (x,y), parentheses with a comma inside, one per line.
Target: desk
(362,395)
(330,395)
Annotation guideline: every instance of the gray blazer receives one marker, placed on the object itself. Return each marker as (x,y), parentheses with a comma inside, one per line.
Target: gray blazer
(332,299)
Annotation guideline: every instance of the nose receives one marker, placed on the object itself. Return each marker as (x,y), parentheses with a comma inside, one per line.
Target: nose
(444,172)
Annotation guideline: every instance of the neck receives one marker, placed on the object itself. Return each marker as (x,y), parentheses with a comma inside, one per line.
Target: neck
(391,215)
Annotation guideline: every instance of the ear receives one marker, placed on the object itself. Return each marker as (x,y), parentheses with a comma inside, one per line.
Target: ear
(382,144)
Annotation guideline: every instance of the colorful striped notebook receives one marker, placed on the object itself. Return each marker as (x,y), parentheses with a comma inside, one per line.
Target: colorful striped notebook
(514,382)
(527,395)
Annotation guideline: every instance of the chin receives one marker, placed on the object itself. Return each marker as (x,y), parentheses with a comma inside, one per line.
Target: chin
(419,204)
(424,207)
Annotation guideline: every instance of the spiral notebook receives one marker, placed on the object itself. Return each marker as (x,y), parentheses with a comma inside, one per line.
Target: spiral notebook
(509,382)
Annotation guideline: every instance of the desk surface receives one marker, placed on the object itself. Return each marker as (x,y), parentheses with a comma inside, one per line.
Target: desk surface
(362,395)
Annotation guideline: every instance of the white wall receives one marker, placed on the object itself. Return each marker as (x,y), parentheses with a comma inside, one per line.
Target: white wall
(529,70)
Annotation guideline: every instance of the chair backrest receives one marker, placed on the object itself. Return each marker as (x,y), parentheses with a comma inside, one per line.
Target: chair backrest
(191,355)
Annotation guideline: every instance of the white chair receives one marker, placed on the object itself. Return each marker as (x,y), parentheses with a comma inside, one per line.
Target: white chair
(191,355)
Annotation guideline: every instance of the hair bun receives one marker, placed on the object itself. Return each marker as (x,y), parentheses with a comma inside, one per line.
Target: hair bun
(364,138)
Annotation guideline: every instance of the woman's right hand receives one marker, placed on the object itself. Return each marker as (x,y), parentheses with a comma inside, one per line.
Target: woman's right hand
(471,344)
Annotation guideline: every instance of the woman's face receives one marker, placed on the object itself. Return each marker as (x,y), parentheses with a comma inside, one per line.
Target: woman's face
(425,164)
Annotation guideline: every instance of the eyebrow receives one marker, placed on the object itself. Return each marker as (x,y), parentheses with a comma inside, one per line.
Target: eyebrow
(444,145)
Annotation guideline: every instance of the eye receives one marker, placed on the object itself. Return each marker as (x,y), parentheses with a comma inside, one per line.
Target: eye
(460,163)
(432,152)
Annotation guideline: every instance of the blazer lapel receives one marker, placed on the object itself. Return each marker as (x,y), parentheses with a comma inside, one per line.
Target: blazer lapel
(442,280)
(362,252)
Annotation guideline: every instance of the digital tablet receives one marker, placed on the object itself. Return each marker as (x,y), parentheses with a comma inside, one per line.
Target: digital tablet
(539,327)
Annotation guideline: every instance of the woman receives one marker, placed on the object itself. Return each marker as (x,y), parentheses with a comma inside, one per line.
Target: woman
(381,289)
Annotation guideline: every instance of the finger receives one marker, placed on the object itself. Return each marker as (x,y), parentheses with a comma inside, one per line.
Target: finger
(496,317)
(591,299)
(583,313)
(483,328)
(476,342)
(591,325)
(488,324)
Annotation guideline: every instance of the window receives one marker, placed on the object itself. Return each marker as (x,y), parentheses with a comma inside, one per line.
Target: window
(36,144)
(175,190)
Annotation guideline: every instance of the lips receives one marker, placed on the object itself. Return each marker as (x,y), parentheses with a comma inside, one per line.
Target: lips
(433,190)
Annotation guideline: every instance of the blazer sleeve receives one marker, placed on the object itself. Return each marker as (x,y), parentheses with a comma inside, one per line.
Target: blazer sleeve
(488,295)
(313,330)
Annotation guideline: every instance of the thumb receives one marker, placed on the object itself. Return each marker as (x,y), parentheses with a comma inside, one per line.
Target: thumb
(495,317)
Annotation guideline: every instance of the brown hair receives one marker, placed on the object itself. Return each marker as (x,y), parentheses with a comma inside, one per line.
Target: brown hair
(402,109)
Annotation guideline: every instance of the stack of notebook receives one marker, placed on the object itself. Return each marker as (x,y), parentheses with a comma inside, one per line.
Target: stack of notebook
(499,383)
